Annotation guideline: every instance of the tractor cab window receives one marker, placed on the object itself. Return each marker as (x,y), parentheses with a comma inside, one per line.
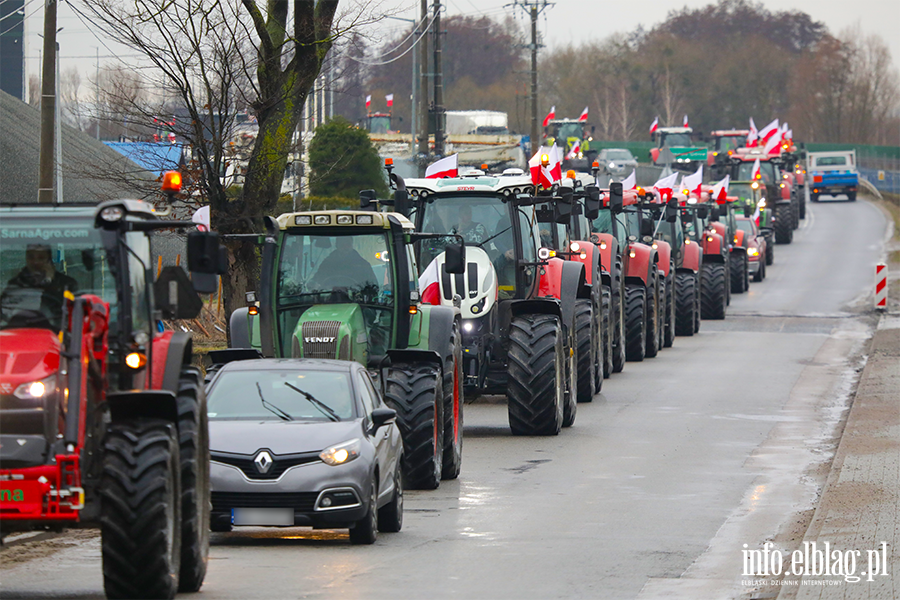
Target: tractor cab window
(41,259)
(336,269)
(138,275)
(569,130)
(675,139)
(731,142)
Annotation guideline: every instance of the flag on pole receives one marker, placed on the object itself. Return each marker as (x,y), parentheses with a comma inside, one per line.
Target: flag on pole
(693,182)
(753,136)
(754,171)
(664,186)
(368,102)
(755,216)
(390,100)
(768,131)
(584,115)
(550,115)
(686,121)
(720,190)
(429,283)
(654,125)
(546,175)
(556,163)
(445,167)
(773,145)
(573,153)
(630,182)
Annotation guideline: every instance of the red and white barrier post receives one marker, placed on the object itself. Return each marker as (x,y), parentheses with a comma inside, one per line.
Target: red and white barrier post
(881,289)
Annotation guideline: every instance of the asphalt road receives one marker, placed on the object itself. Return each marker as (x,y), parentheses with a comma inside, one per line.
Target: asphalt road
(720,441)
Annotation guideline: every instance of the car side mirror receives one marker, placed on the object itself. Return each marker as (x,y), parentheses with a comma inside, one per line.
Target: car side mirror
(455,259)
(382,416)
(592,202)
(671,210)
(616,198)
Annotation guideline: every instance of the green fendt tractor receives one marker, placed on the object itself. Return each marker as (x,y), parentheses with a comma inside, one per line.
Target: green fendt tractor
(343,284)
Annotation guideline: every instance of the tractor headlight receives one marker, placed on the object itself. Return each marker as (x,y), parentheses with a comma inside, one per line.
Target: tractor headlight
(345,220)
(468,326)
(341,453)
(112,213)
(36,390)
(364,219)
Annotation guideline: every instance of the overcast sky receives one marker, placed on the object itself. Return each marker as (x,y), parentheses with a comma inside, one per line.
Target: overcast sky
(566,21)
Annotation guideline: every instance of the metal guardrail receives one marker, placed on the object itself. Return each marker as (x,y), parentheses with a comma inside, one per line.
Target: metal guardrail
(883,181)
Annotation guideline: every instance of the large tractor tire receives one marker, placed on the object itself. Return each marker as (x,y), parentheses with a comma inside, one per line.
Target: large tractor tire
(453,407)
(698,289)
(416,393)
(801,199)
(795,213)
(140,520)
(193,434)
(712,297)
(610,320)
(784,233)
(586,347)
(738,272)
(669,331)
(635,322)
(536,376)
(570,399)
(653,318)
(770,252)
(617,317)
(685,304)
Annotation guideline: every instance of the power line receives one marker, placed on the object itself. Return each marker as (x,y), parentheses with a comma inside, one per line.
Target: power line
(399,56)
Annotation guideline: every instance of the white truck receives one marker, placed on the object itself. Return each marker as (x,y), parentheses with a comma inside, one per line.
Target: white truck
(832,173)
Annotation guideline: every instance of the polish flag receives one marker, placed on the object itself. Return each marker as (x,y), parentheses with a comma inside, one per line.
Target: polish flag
(686,121)
(446,167)
(755,172)
(720,190)
(768,131)
(573,153)
(550,115)
(630,182)
(584,115)
(753,136)
(693,182)
(773,145)
(556,163)
(664,186)
(429,283)
(654,125)
(546,176)
(390,100)
(755,216)
(368,102)
(789,134)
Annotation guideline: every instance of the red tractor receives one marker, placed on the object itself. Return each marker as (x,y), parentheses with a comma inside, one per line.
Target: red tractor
(715,283)
(104,418)
(724,143)
(778,189)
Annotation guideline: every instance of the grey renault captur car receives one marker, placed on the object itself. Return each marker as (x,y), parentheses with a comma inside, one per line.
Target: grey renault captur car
(303,442)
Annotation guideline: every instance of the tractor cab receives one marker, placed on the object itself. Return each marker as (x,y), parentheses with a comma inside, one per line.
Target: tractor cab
(569,135)
(723,144)
(675,146)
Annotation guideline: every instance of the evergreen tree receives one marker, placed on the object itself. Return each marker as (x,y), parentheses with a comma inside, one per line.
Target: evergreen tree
(343,161)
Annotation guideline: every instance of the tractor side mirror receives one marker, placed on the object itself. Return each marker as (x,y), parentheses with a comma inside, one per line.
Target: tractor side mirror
(702,211)
(367,200)
(671,210)
(714,214)
(563,206)
(455,259)
(646,227)
(174,296)
(748,211)
(205,254)
(401,202)
(616,199)
(592,202)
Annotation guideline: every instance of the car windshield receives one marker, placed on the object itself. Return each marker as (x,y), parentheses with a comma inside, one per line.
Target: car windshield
(41,259)
(236,395)
(831,161)
(745,226)
(676,139)
(619,155)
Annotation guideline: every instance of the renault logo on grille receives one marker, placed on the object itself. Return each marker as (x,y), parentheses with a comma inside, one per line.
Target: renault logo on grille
(263,462)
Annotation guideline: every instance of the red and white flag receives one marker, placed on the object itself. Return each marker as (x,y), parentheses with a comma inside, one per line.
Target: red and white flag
(756,214)
(390,100)
(584,115)
(556,163)
(550,115)
(446,167)
(693,182)
(630,182)
(546,176)
(773,145)
(768,131)
(754,171)
(789,135)
(753,136)
(720,190)
(654,125)
(429,283)
(573,153)
(368,102)
(686,121)
(664,186)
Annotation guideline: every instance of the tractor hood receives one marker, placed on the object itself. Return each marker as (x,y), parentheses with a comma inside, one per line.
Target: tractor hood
(280,437)
(26,355)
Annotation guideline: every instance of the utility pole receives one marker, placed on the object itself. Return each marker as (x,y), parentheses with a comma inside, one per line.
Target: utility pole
(534,8)
(48,105)
(422,99)
(97,93)
(438,84)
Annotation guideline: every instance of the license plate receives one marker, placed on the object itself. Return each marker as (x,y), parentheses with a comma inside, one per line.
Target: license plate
(263,516)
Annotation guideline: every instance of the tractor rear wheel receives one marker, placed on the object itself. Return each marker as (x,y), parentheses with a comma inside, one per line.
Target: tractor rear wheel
(570,398)
(653,329)
(635,321)
(610,320)
(585,350)
(617,320)
(193,433)
(416,393)
(738,272)
(684,304)
(698,289)
(536,376)
(140,521)
(770,251)
(784,233)
(669,332)
(712,296)
(453,407)
(795,213)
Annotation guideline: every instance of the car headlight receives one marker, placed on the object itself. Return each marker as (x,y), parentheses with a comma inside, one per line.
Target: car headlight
(753,251)
(36,390)
(341,453)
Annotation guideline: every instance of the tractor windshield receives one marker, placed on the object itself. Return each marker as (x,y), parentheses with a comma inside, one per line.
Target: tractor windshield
(570,130)
(41,258)
(676,139)
(767,169)
(339,268)
(730,142)
(743,191)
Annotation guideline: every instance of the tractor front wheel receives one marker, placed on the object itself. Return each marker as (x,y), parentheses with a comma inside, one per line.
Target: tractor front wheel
(635,322)
(784,233)
(586,347)
(453,407)
(712,291)
(416,393)
(738,272)
(684,304)
(610,320)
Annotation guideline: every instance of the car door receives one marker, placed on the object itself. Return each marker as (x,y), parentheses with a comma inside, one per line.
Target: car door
(380,439)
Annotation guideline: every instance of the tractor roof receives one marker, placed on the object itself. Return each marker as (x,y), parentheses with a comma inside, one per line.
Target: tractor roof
(629,197)
(751,154)
(341,218)
(674,130)
(730,133)
(477,182)
(567,121)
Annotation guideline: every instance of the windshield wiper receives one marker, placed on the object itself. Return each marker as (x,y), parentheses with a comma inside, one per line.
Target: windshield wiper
(481,244)
(323,408)
(272,408)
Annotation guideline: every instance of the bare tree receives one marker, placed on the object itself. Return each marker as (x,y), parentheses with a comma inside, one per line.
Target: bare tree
(671,98)
(215,57)
(34,90)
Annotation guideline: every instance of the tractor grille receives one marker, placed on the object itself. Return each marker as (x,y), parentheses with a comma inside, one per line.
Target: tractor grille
(299,501)
(320,339)
(280,463)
